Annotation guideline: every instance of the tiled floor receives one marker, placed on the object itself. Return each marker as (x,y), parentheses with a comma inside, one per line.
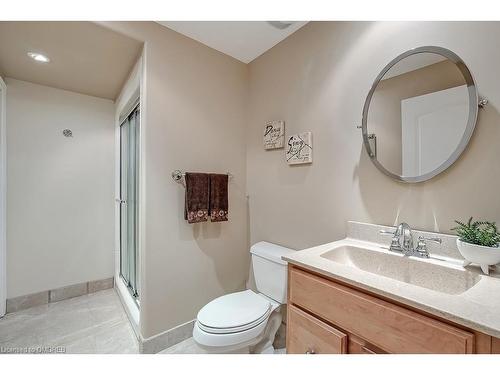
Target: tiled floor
(94,323)
(189,346)
(184,347)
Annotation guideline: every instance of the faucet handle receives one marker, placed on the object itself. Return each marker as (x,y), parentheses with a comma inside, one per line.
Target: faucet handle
(394,240)
(421,249)
(431,239)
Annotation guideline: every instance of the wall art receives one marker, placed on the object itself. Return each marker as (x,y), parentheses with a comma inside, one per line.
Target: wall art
(299,148)
(274,134)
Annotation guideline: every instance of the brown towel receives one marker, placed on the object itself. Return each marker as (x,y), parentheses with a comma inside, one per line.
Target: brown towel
(197,195)
(219,205)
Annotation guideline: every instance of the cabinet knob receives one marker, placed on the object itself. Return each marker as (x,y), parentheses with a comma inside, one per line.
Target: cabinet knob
(311,351)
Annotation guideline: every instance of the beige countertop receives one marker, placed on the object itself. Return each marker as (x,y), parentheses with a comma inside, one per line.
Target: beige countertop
(477,308)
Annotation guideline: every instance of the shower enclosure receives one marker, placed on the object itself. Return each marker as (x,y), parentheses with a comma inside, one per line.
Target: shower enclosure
(129,183)
(3,198)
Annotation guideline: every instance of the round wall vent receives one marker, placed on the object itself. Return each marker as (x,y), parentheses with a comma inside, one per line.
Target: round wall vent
(67,133)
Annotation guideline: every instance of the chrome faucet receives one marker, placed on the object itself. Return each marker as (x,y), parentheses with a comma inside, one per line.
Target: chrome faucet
(402,242)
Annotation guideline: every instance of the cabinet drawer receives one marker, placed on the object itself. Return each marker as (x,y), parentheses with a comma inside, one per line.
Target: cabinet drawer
(308,335)
(495,345)
(357,345)
(393,328)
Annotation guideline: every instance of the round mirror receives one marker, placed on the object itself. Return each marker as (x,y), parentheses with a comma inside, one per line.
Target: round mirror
(420,114)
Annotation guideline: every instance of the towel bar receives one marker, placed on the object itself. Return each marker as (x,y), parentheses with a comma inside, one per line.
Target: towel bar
(177,175)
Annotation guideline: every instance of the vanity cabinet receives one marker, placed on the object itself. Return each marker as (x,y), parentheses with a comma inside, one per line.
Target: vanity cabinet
(310,335)
(326,316)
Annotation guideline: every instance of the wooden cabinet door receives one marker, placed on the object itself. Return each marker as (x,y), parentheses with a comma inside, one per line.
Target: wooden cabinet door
(309,335)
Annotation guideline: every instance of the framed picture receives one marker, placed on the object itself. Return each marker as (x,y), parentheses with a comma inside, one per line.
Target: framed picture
(299,149)
(274,134)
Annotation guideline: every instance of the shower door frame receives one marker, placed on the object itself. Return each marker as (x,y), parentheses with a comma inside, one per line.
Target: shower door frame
(3,197)
(123,203)
(133,92)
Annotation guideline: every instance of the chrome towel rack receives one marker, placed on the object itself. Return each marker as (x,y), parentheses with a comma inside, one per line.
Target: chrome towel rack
(177,175)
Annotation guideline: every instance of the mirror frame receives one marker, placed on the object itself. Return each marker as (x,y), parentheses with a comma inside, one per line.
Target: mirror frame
(471,121)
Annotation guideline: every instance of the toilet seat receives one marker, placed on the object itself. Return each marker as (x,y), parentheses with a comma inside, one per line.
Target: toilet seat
(233,320)
(235,312)
(242,328)
(228,340)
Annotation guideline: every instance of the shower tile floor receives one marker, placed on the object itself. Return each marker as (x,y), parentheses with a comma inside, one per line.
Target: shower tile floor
(94,323)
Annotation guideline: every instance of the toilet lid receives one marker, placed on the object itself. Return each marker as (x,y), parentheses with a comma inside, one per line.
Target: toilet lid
(232,311)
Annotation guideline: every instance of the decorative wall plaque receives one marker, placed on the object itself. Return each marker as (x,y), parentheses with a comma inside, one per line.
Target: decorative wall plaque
(299,148)
(274,134)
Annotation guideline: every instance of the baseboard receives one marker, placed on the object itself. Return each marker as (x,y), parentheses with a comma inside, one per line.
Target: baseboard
(58,294)
(166,339)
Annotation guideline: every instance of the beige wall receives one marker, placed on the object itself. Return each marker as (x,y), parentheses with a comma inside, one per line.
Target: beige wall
(384,116)
(317,80)
(59,190)
(194,117)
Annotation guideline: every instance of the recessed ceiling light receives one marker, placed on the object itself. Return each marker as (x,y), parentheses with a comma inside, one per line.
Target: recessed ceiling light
(38,57)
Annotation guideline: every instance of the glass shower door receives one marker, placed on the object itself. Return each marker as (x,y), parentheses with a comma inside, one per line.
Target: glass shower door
(129,181)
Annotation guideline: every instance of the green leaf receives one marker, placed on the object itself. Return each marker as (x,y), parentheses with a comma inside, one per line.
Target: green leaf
(484,233)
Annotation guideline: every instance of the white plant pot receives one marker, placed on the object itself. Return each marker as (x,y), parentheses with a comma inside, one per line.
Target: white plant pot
(483,255)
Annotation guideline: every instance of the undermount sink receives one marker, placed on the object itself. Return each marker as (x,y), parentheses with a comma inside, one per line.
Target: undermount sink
(418,272)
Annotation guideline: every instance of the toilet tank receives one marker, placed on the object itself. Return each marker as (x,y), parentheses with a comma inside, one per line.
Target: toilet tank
(270,270)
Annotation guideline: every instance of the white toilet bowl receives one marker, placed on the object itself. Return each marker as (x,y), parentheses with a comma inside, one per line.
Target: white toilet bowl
(234,321)
(246,322)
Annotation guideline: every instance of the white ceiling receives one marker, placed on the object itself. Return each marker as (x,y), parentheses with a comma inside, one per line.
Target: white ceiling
(243,40)
(85,57)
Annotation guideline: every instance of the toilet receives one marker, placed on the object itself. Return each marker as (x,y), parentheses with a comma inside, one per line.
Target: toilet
(246,322)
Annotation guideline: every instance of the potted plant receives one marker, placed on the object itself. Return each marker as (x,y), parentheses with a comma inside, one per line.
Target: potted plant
(478,242)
